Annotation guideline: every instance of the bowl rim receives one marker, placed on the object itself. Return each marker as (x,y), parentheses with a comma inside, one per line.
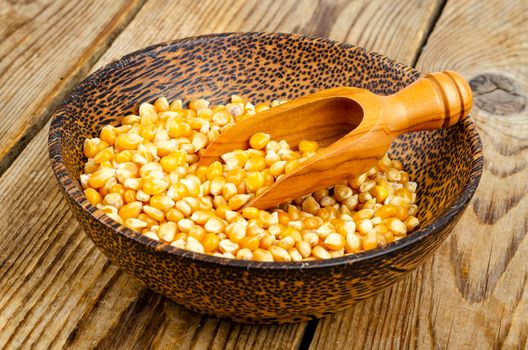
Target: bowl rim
(78,198)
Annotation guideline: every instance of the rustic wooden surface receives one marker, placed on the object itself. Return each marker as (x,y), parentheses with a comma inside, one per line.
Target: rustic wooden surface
(57,290)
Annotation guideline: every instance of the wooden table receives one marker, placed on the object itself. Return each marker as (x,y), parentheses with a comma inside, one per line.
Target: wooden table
(57,290)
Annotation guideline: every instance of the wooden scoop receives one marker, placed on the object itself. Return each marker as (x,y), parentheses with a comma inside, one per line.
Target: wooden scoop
(356,125)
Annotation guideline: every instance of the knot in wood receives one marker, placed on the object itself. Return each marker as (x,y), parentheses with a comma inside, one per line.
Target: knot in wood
(497,94)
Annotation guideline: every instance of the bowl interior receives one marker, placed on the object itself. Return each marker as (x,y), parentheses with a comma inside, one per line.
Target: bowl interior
(263,67)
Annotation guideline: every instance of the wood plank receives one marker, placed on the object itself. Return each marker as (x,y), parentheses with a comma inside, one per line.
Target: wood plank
(58,290)
(45,47)
(473,294)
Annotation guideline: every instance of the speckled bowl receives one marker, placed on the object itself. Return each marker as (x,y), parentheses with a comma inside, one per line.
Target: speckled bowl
(447,165)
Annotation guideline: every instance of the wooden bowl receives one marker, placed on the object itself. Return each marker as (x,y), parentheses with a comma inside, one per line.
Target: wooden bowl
(447,165)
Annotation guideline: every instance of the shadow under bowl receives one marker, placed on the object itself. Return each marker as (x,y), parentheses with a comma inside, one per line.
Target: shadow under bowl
(446,164)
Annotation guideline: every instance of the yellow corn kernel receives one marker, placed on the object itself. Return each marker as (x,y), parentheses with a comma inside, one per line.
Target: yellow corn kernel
(237,158)
(237,99)
(147,114)
(161,104)
(236,175)
(363,214)
(222,118)
(290,165)
(229,190)
(167,231)
(244,254)
(250,212)
(308,146)
(262,255)
(210,242)
(214,170)
(259,140)
(154,213)
(396,226)
(130,210)
(123,156)
(205,113)
(250,242)
(161,202)
(173,214)
(113,199)
(312,223)
(254,181)
(172,161)
(266,218)
(108,134)
(176,105)
(135,224)
(393,175)
(221,210)
(104,155)
(320,253)
(176,128)
(148,219)
(238,201)
(148,132)
(129,120)
(386,211)
(286,242)
(90,167)
(198,104)
(260,107)
(256,163)
(369,241)
(404,193)
(201,216)
(279,254)
(130,196)
(304,248)
(236,231)
(267,241)
(90,147)
(334,241)
(93,196)
(100,177)
(155,186)
(353,243)
(365,226)
(396,164)
(128,141)
(227,246)
(411,223)
(357,181)
(197,232)
(214,225)
(402,212)
(380,193)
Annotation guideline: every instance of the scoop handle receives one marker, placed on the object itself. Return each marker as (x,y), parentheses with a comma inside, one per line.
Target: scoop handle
(438,100)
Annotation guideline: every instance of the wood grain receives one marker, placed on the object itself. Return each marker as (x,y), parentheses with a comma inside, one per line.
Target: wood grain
(45,47)
(57,290)
(473,294)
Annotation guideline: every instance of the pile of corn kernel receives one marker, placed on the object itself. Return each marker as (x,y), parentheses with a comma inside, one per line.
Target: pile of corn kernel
(144,175)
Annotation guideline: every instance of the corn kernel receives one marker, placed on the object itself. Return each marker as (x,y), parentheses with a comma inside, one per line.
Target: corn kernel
(210,242)
(93,196)
(100,177)
(128,141)
(259,140)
